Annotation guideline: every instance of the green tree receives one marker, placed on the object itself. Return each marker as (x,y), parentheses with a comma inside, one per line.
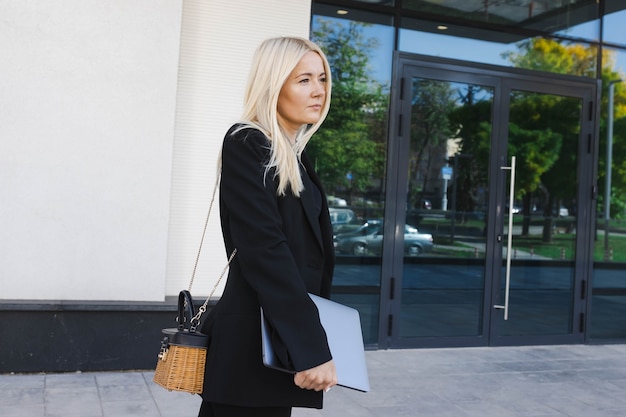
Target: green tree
(349,149)
(618,188)
(544,131)
(430,129)
(561,115)
(542,54)
(473,119)
(618,177)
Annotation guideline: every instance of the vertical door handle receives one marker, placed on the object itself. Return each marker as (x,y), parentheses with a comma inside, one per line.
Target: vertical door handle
(505,307)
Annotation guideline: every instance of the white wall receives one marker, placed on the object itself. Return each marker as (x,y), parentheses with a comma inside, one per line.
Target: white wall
(109,137)
(87,107)
(217,43)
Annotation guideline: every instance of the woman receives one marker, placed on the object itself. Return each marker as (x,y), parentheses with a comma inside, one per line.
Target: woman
(274,212)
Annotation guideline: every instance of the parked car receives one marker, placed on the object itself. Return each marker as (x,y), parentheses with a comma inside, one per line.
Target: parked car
(339,216)
(368,238)
(336,201)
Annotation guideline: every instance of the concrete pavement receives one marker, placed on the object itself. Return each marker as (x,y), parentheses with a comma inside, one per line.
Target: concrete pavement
(540,381)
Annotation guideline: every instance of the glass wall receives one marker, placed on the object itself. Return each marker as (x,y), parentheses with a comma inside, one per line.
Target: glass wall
(489,47)
(608,308)
(443,289)
(351,148)
(446,41)
(548,16)
(614,22)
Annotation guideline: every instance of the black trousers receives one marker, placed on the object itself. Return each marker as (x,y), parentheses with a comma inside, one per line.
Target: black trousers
(208,409)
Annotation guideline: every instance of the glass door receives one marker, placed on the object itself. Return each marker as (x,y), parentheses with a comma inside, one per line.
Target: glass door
(473,258)
(538,287)
(443,289)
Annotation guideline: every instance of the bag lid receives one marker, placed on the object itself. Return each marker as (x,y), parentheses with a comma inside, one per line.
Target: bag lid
(186,338)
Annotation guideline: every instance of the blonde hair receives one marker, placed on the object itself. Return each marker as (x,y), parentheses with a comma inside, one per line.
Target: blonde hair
(273,62)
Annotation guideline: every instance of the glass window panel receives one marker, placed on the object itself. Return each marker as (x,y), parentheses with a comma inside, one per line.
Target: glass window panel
(608,318)
(451,46)
(614,22)
(544,132)
(349,152)
(615,61)
(347,14)
(544,16)
(443,284)
(588,30)
(542,54)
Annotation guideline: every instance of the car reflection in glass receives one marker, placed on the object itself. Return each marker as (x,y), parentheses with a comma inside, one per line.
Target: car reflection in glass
(367,239)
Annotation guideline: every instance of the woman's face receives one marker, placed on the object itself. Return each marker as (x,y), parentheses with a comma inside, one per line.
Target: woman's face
(302,97)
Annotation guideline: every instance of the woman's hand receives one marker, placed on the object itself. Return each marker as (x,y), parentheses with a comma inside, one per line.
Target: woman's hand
(322,377)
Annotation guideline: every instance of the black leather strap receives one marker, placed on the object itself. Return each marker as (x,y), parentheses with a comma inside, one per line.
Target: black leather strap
(186,309)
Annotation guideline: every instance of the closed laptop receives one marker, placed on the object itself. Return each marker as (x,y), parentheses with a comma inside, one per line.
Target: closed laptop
(345,340)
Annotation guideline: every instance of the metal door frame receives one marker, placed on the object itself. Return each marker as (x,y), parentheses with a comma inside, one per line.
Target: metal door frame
(503,80)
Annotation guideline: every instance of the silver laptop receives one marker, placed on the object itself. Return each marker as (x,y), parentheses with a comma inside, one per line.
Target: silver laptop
(345,339)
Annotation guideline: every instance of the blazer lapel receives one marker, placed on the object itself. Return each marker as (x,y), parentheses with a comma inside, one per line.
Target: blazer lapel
(308,202)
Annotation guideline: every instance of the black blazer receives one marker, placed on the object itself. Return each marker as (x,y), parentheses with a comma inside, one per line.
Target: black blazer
(284,251)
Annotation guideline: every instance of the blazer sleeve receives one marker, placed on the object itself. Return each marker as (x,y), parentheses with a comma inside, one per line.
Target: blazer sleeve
(253,226)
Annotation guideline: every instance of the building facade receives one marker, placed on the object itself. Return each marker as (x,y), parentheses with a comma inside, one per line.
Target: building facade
(473,158)
(487,214)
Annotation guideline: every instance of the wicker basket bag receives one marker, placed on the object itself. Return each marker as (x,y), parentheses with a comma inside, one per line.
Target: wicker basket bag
(182,357)
(181,360)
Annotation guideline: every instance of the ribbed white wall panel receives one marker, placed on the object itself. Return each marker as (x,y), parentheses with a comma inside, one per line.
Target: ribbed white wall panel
(217,42)
(87,110)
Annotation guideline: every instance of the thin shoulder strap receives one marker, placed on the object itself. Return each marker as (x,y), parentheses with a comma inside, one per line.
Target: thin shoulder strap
(206,223)
(195,321)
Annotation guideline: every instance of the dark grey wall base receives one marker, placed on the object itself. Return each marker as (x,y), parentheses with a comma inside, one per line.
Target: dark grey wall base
(82,337)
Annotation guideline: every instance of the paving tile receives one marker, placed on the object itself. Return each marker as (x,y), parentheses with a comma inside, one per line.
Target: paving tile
(615,413)
(603,374)
(73,393)
(69,380)
(21,381)
(527,381)
(70,411)
(22,410)
(131,408)
(496,354)
(179,404)
(115,393)
(522,406)
(575,408)
(308,412)
(526,366)
(551,377)
(417,410)
(21,396)
(119,378)
(172,403)
(481,409)
(72,401)
(468,368)
(617,384)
